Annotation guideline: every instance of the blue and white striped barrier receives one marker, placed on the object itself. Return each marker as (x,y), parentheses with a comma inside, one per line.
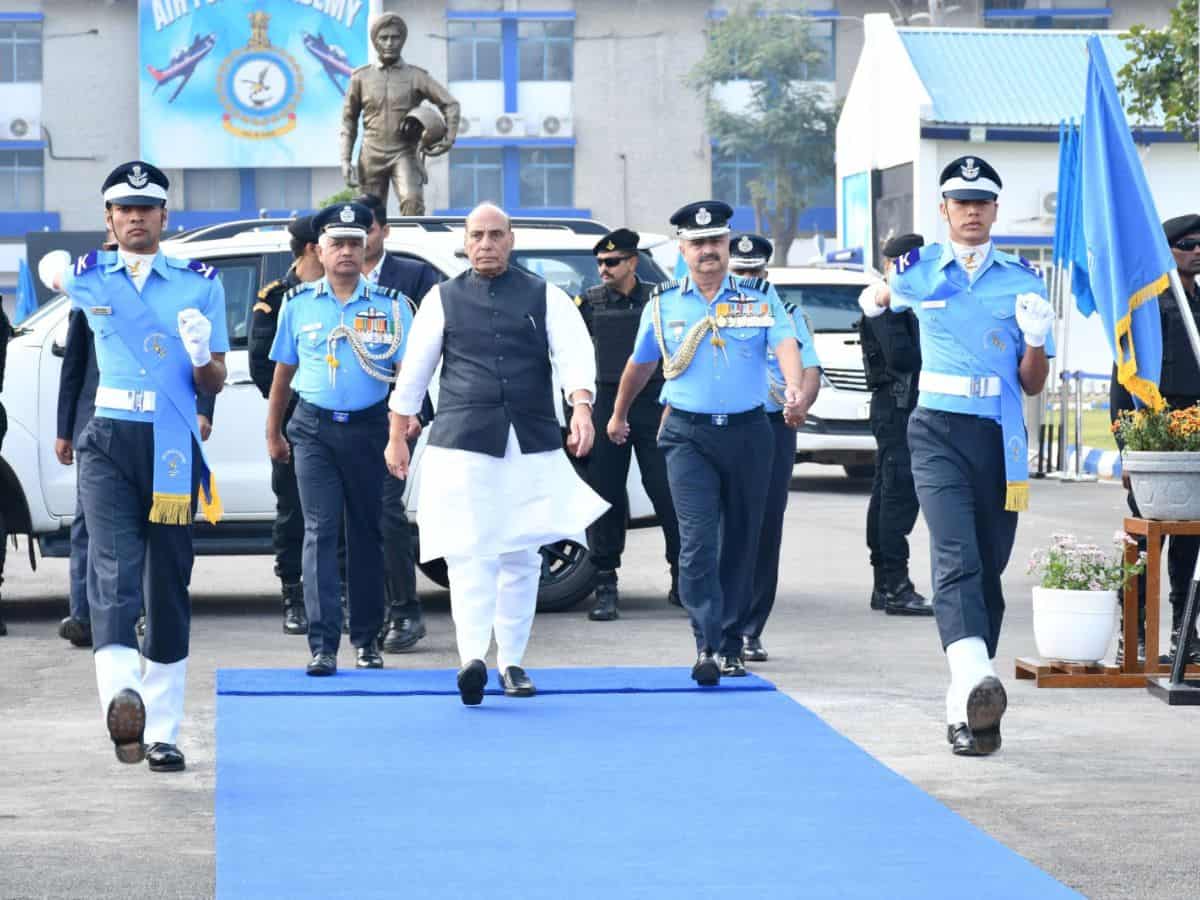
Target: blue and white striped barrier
(1103,463)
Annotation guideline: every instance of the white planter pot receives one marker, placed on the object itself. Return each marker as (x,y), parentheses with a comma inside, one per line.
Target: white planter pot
(1073,626)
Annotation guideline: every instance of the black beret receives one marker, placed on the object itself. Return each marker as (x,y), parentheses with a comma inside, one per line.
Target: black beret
(749,251)
(621,239)
(136,183)
(897,246)
(970,178)
(302,229)
(705,218)
(343,220)
(1179,226)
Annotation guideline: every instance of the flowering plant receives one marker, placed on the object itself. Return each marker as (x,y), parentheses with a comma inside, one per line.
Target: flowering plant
(1072,566)
(1160,430)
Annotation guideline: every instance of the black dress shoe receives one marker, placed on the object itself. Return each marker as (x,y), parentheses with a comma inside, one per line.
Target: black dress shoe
(368,656)
(126,722)
(962,741)
(403,634)
(706,671)
(732,666)
(472,679)
(322,664)
(165,758)
(516,682)
(295,618)
(905,601)
(605,607)
(753,650)
(980,734)
(77,631)
(878,599)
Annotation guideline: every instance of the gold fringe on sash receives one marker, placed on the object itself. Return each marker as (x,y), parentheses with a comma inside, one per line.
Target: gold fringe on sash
(1127,366)
(1016,497)
(211,504)
(171,509)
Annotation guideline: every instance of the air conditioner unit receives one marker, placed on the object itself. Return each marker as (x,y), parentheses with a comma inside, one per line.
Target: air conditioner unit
(555,126)
(1047,207)
(473,126)
(22,128)
(510,125)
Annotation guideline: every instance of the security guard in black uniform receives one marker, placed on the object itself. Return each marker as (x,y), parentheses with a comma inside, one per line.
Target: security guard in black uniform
(612,311)
(287,533)
(1180,386)
(892,358)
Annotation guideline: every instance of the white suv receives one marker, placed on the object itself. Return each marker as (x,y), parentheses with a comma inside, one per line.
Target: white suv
(37,494)
(837,431)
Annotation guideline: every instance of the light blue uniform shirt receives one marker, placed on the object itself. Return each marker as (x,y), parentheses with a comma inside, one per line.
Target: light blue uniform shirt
(310,314)
(728,379)
(173,285)
(928,280)
(808,350)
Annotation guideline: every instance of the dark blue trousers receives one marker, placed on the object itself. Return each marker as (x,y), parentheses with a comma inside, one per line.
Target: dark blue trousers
(766,570)
(399,554)
(958,468)
(79,562)
(129,557)
(340,472)
(718,476)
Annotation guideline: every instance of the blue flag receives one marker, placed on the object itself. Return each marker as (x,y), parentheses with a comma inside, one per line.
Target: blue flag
(1127,258)
(27,302)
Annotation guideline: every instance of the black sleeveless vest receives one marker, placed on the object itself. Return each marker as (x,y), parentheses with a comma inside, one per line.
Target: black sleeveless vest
(495,365)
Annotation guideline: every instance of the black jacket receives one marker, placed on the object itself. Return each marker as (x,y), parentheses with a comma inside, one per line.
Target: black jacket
(264,320)
(891,349)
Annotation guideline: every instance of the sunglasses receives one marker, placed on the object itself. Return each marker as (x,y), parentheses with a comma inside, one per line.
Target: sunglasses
(609,262)
(1187,244)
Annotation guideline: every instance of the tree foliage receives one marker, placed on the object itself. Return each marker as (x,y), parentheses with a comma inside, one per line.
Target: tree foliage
(789,123)
(1162,76)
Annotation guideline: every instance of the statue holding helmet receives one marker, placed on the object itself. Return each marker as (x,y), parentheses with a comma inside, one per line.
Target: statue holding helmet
(398,131)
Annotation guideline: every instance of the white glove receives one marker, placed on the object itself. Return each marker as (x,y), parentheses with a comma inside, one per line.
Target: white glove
(52,269)
(1035,318)
(195,331)
(868,303)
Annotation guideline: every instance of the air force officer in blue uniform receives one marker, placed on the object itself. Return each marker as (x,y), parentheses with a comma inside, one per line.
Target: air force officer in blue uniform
(712,332)
(985,340)
(338,345)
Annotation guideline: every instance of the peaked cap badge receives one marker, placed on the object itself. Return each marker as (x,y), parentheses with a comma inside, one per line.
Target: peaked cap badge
(137,177)
(970,171)
(347,214)
(745,245)
(703,216)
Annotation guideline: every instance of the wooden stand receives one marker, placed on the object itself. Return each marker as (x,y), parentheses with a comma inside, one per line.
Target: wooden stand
(1132,673)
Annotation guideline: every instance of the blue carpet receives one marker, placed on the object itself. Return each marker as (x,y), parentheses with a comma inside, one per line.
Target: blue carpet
(619,786)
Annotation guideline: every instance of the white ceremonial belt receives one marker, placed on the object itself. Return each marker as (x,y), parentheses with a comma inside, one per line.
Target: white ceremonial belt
(961,385)
(131,401)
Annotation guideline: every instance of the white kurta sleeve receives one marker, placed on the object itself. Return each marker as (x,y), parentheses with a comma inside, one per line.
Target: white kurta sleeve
(571,351)
(421,355)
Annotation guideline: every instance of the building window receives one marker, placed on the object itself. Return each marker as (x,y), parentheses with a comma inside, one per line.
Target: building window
(474,51)
(283,188)
(476,176)
(546,50)
(21,178)
(20,51)
(212,189)
(731,178)
(547,178)
(820,37)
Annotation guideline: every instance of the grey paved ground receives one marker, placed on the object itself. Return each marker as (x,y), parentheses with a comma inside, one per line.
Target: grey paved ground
(1097,787)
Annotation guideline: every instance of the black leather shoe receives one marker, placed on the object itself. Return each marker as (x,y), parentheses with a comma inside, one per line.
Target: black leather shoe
(962,742)
(878,599)
(905,601)
(706,671)
(472,679)
(77,631)
(403,634)
(126,722)
(1193,650)
(985,707)
(753,650)
(732,667)
(605,607)
(368,656)
(322,664)
(165,758)
(295,619)
(516,682)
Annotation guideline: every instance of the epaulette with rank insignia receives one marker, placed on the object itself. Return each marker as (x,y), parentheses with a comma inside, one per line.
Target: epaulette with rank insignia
(663,286)
(86,262)
(755,284)
(389,292)
(1026,264)
(205,270)
(791,307)
(292,292)
(266,289)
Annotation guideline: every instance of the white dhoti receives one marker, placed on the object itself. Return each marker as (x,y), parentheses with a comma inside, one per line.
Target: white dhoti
(161,688)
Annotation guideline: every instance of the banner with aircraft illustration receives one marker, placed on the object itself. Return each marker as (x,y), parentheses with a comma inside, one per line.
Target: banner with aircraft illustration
(236,84)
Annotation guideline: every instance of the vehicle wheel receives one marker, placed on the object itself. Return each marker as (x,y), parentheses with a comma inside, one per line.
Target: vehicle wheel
(862,471)
(568,576)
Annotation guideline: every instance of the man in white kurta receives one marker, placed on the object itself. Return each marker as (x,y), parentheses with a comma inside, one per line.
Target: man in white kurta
(495,484)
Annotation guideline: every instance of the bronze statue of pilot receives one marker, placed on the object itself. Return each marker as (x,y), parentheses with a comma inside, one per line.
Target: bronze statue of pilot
(397,131)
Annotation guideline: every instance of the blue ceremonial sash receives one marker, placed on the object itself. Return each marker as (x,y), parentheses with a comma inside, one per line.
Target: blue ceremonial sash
(176,430)
(974,328)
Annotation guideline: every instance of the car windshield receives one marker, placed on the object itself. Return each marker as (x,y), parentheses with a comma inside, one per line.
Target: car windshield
(31,321)
(827,307)
(575,270)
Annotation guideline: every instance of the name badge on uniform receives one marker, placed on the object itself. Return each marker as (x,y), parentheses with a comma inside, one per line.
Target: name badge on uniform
(341,417)
(101,310)
(677,326)
(933,304)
